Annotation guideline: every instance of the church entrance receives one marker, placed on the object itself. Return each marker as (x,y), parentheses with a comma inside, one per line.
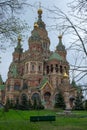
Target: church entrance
(47,99)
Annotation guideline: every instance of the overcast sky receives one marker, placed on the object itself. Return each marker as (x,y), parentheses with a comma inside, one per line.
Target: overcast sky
(29,15)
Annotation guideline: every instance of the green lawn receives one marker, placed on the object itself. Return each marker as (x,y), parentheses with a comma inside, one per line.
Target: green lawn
(19,120)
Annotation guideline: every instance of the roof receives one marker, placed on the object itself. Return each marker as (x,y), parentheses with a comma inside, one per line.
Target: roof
(44,81)
(55,56)
(2,87)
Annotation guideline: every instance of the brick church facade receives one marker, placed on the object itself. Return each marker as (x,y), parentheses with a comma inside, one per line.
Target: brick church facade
(38,72)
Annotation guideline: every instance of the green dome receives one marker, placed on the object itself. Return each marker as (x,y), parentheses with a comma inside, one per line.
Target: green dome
(35,36)
(55,56)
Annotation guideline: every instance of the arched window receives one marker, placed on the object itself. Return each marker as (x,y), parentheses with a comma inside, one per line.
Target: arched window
(16,86)
(51,68)
(39,68)
(61,69)
(56,67)
(25,86)
(47,69)
(36,97)
(47,96)
(32,67)
(56,97)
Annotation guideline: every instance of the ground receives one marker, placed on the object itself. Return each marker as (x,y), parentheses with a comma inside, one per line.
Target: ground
(19,120)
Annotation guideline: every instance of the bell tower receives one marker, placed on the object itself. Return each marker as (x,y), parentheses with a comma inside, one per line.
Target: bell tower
(18,51)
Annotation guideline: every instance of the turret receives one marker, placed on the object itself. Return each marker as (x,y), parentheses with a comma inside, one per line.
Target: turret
(18,51)
(60,48)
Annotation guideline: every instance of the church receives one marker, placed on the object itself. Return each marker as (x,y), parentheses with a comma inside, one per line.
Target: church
(39,73)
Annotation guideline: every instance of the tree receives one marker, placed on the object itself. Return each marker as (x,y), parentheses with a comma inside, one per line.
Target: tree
(7,105)
(10,25)
(73,24)
(30,104)
(85,104)
(16,106)
(59,101)
(78,102)
(35,105)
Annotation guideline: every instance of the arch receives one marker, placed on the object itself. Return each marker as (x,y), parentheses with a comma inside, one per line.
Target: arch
(56,97)
(17,86)
(36,97)
(47,96)
(71,101)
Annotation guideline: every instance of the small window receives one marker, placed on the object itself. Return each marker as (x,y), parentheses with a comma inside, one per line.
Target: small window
(16,87)
(61,69)
(47,69)
(39,68)
(32,67)
(51,68)
(56,67)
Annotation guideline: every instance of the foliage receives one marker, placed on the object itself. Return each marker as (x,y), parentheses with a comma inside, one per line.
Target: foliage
(7,105)
(78,102)
(10,24)
(59,103)
(85,105)
(73,25)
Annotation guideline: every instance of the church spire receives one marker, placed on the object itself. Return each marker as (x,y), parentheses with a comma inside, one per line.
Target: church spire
(19,48)
(39,21)
(60,48)
(40,12)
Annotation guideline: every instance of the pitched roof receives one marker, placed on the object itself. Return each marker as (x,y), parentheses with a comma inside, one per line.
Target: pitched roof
(55,56)
(44,81)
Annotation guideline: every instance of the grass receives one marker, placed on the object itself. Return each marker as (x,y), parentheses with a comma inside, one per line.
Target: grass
(19,120)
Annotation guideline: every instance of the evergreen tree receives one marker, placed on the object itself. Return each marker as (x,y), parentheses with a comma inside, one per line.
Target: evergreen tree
(39,105)
(11,105)
(29,104)
(85,104)
(35,105)
(60,103)
(7,105)
(17,103)
(78,102)
(24,105)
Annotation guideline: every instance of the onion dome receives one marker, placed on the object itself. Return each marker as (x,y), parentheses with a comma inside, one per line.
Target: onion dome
(55,56)
(35,25)
(40,11)
(60,46)
(65,75)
